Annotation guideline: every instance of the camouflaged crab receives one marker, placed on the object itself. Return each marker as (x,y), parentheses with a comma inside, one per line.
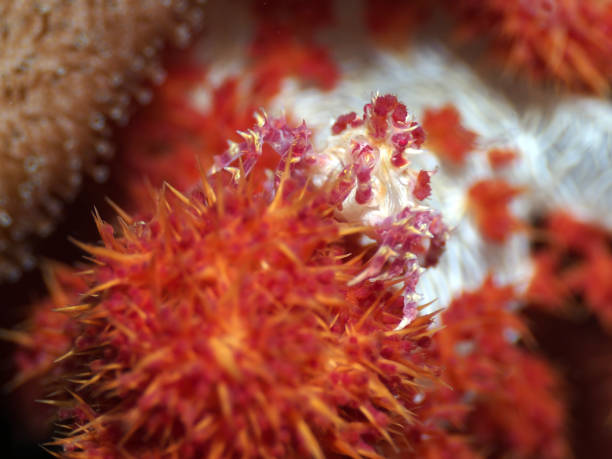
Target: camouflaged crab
(366,171)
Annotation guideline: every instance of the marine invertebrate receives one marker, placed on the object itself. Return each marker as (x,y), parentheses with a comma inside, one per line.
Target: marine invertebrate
(233,324)
(69,70)
(561,153)
(179,351)
(572,260)
(566,41)
(511,398)
(368,161)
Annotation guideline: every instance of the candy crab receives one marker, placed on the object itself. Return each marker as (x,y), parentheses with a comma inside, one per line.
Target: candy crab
(365,169)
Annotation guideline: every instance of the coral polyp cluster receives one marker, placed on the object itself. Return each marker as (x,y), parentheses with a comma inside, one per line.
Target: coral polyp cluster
(372,155)
(229,324)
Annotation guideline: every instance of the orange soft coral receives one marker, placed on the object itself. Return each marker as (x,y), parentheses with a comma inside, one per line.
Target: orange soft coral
(510,398)
(229,324)
(568,41)
(48,332)
(573,261)
(248,317)
(40,341)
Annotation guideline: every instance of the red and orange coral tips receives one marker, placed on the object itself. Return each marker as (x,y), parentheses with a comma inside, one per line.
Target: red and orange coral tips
(501,157)
(574,260)
(489,200)
(230,325)
(279,54)
(45,337)
(47,334)
(567,41)
(511,399)
(446,136)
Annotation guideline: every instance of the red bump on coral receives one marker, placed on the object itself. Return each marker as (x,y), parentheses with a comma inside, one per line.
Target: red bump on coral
(446,136)
(489,200)
(501,157)
(422,189)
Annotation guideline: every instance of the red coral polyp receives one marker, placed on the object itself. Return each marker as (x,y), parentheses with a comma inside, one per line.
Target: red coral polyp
(490,200)
(447,137)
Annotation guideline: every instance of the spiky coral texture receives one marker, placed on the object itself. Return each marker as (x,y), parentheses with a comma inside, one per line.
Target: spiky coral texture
(68,71)
(228,324)
(567,41)
(573,265)
(225,263)
(47,334)
(506,398)
(175,354)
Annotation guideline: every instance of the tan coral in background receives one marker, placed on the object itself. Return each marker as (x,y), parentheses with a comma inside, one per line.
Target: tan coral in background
(68,70)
